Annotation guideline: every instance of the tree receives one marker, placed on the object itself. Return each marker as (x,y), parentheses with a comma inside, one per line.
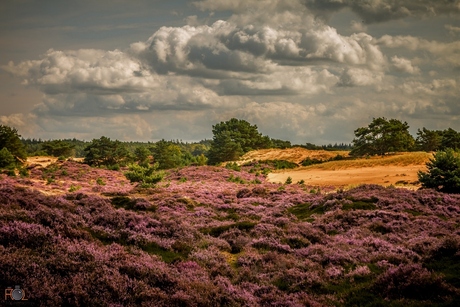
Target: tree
(281,144)
(142,154)
(450,139)
(233,138)
(10,139)
(7,160)
(58,148)
(428,140)
(167,154)
(382,136)
(443,172)
(106,152)
(224,148)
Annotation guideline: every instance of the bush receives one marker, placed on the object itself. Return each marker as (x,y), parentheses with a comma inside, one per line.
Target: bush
(309,161)
(144,175)
(7,160)
(233,166)
(443,172)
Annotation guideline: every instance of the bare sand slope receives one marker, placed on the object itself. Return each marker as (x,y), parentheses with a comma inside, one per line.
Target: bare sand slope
(382,175)
(400,169)
(44,161)
(295,154)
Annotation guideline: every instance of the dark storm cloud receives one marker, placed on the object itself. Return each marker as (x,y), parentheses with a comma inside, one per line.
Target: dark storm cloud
(372,11)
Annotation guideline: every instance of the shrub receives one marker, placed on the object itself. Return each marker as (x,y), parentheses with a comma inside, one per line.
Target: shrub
(74,188)
(288,180)
(7,160)
(309,161)
(233,166)
(144,175)
(443,172)
(412,282)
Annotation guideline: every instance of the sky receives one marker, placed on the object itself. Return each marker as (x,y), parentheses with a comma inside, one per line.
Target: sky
(301,70)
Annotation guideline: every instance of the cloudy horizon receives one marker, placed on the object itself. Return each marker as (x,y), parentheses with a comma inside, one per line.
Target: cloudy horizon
(301,70)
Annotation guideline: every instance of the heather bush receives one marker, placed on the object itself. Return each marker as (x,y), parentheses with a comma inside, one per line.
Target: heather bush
(412,282)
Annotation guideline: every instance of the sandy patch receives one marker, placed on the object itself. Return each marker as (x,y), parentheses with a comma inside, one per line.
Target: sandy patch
(43,161)
(382,175)
(296,154)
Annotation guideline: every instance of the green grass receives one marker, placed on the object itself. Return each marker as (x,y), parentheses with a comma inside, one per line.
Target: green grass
(414,212)
(217,231)
(123,202)
(359,205)
(303,211)
(165,254)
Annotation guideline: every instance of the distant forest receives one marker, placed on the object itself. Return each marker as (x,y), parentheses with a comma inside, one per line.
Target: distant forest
(37,147)
(235,137)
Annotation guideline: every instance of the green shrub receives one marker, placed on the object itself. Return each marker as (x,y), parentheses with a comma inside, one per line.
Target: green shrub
(288,180)
(100,181)
(144,175)
(113,167)
(309,161)
(233,166)
(443,172)
(23,172)
(74,188)
(7,160)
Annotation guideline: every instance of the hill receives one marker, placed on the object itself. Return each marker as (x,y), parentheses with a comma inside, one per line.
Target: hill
(295,154)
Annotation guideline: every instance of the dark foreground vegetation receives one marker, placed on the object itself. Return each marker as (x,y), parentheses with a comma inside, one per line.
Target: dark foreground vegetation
(88,237)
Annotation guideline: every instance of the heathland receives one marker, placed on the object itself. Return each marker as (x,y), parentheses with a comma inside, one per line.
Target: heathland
(75,235)
(150,224)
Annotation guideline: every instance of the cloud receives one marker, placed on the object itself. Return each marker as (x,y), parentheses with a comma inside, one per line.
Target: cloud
(404,65)
(87,70)
(358,26)
(446,54)
(226,47)
(372,11)
(359,77)
(272,62)
(452,29)
(24,123)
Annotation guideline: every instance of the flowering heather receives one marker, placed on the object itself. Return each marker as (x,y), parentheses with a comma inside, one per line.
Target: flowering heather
(209,236)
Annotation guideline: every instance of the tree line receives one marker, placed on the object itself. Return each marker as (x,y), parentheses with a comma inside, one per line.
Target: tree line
(383,136)
(232,139)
